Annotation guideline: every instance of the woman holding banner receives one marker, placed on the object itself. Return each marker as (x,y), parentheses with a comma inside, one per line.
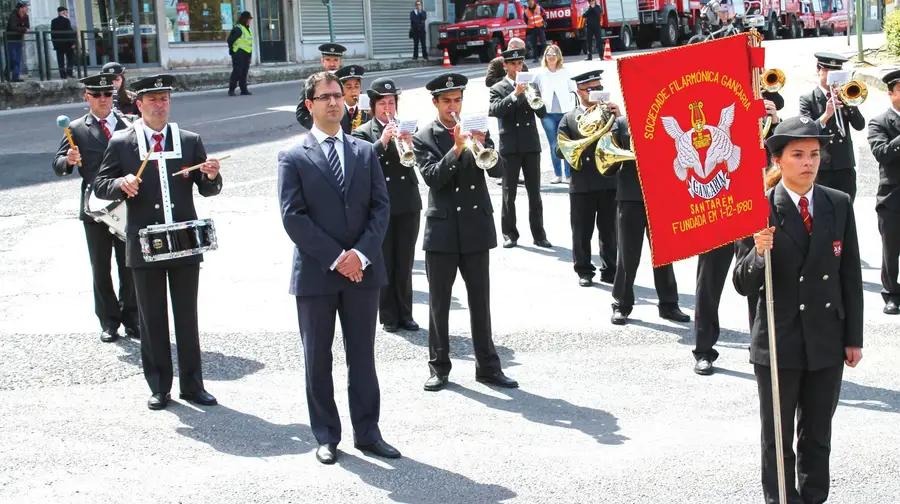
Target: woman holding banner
(817,289)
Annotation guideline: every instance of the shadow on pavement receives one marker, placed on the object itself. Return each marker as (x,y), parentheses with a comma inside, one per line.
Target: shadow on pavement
(216,365)
(414,482)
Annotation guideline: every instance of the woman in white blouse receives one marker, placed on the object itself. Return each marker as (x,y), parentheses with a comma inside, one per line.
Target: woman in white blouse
(558,92)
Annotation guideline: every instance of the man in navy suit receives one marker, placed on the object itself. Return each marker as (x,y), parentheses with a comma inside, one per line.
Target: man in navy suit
(335,208)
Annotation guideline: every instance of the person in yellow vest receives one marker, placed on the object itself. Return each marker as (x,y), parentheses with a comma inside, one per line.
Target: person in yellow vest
(240,47)
(534,19)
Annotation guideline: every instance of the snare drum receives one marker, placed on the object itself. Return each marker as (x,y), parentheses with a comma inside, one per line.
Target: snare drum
(111,213)
(182,239)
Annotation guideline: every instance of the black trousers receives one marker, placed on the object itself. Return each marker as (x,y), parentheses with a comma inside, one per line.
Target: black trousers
(530,166)
(842,180)
(889,227)
(813,395)
(712,271)
(399,250)
(418,38)
(156,354)
(65,61)
(111,311)
(537,38)
(631,225)
(592,36)
(587,210)
(440,269)
(240,66)
(357,309)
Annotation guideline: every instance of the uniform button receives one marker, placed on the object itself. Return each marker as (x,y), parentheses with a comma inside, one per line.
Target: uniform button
(457,189)
(172,205)
(801,279)
(472,187)
(387,179)
(517,124)
(458,209)
(825,277)
(527,124)
(474,207)
(156,207)
(827,305)
(402,177)
(802,307)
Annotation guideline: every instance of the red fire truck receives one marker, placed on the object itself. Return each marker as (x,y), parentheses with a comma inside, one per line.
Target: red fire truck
(565,25)
(835,17)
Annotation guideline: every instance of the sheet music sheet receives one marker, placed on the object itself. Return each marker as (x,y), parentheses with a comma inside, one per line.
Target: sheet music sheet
(364,102)
(474,123)
(524,77)
(408,125)
(598,96)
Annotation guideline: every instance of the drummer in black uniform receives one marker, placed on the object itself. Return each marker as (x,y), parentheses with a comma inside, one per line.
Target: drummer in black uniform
(838,165)
(351,82)
(399,246)
(332,54)
(459,233)
(91,134)
(818,298)
(156,198)
(592,196)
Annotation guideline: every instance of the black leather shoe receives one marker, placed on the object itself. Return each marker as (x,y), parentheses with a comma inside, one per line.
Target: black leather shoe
(585,282)
(674,314)
(158,401)
(499,379)
(380,449)
(391,327)
(231,93)
(203,398)
(891,308)
(509,243)
(246,93)
(327,453)
(608,279)
(543,243)
(109,335)
(409,325)
(703,367)
(132,333)
(436,382)
(618,318)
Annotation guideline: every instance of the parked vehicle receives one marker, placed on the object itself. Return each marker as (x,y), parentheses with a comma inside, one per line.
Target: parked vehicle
(483,27)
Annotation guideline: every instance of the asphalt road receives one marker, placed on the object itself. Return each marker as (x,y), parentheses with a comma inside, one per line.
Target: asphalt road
(605,414)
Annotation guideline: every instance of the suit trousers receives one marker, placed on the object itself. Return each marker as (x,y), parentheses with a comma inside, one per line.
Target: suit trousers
(587,210)
(813,396)
(156,354)
(418,38)
(889,227)
(842,180)
(712,271)
(357,309)
(441,267)
(65,61)
(592,36)
(631,225)
(399,250)
(530,166)
(111,311)
(240,67)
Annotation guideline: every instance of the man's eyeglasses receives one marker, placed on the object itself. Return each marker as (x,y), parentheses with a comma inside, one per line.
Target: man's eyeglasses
(107,94)
(325,98)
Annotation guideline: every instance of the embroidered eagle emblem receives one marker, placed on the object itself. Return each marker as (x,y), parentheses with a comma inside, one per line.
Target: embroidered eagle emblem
(717,138)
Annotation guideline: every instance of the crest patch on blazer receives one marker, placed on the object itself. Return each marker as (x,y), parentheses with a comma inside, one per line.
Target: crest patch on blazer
(837,246)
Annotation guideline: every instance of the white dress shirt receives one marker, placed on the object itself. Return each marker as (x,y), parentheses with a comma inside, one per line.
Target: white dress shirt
(111,121)
(151,143)
(320,137)
(796,198)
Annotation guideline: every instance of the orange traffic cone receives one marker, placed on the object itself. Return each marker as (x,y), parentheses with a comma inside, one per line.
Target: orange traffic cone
(499,52)
(446,58)
(607,52)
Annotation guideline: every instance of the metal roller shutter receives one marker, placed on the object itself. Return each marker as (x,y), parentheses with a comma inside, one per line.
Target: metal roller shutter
(390,28)
(347,15)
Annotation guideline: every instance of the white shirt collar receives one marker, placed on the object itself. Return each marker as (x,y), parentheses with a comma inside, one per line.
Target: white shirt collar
(511,81)
(895,111)
(320,135)
(150,132)
(796,197)
(110,119)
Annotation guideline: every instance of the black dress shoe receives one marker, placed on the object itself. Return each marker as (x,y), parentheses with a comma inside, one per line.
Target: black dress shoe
(436,382)
(203,398)
(327,453)
(158,401)
(674,314)
(409,325)
(132,333)
(543,243)
(585,282)
(509,243)
(703,367)
(499,379)
(246,93)
(618,318)
(391,327)
(608,279)
(380,449)
(109,335)
(231,93)
(891,308)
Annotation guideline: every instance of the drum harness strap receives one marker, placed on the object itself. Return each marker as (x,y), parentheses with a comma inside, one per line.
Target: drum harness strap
(160,158)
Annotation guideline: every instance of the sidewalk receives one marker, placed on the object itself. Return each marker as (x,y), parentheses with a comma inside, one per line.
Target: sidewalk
(877,62)
(34,93)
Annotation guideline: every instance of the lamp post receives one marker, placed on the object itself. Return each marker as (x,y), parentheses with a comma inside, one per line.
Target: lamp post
(330,20)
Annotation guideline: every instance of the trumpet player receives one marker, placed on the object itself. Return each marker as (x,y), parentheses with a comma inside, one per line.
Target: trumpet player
(394,150)
(459,231)
(351,82)
(518,108)
(592,196)
(824,104)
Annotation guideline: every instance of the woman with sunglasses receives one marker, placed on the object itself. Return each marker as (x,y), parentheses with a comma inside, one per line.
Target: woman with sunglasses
(557,90)
(125,99)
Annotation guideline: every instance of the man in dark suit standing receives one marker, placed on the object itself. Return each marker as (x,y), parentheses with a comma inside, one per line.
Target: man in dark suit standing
(884,139)
(417,19)
(399,247)
(63,37)
(155,198)
(332,55)
(335,208)
(838,167)
(459,232)
(520,145)
(91,134)
(351,82)
(593,15)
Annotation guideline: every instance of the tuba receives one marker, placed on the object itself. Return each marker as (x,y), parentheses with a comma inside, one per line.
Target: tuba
(596,125)
(485,158)
(772,81)
(407,156)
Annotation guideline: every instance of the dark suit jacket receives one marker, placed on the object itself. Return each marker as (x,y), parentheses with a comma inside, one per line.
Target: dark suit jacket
(61,33)
(347,120)
(593,16)
(402,181)
(322,220)
(122,158)
(459,218)
(17,27)
(840,150)
(884,140)
(629,183)
(303,115)
(587,179)
(496,73)
(816,282)
(518,121)
(92,142)
(417,21)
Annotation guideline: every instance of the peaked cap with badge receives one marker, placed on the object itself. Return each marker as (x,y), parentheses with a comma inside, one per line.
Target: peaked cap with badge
(332,50)
(795,128)
(383,87)
(590,76)
(113,67)
(348,72)
(447,82)
(513,54)
(154,84)
(891,78)
(830,61)
(99,82)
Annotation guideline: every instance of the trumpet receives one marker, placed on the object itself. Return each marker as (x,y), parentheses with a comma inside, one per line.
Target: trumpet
(485,158)
(598,121)
(772,81)
(534,101)
(407,156)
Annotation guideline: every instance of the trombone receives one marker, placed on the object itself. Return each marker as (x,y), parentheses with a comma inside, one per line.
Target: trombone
(852,94)
(485,158)
(772,81)
(407,156)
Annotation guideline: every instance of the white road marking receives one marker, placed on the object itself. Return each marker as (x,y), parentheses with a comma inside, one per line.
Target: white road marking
(232,118)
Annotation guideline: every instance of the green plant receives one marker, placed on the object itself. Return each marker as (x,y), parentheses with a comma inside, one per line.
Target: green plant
(892,32)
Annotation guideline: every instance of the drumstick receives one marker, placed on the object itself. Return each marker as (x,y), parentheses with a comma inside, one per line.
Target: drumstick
(195,167)
(141,169)
(63,122)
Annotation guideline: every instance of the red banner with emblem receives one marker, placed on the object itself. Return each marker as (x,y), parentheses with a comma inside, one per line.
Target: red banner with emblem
(695,127)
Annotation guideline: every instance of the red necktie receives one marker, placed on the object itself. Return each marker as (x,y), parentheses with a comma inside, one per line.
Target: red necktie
(352,111)
(804,213)
(105,129)
(158,138)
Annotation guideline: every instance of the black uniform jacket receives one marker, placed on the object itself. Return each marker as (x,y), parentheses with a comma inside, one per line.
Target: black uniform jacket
(587,179)
(840,149)
(518,124)
(145,209)
(816,282)
(884,140)
(91,142)
(459,218)
(304,116)
(347,120)
(629,183)
(402,181)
